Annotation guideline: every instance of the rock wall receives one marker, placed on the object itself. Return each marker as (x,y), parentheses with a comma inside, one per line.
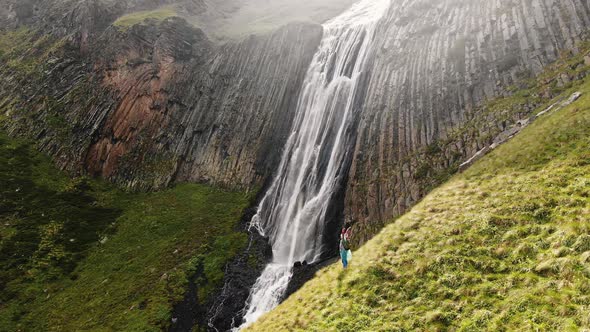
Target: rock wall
(435,63)
(162,102)
(200,113)
(159,102)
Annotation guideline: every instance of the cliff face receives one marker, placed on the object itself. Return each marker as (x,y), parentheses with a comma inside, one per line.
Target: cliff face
(198,113)
(156,102)
(435,64)
(162,101)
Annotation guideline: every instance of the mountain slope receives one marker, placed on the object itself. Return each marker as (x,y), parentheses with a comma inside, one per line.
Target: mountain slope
(503,246)
(77,254)
(436,64)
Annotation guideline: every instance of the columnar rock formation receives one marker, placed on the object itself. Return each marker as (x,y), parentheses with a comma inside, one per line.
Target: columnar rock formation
(436,62)
(162,101)
(188,111)
(158,102)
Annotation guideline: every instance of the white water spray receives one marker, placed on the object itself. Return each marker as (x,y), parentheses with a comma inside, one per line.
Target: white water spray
(292,213)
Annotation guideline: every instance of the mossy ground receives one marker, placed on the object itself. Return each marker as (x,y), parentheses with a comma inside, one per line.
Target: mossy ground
(138,17)
(24,51)
(503,247)
(78,254)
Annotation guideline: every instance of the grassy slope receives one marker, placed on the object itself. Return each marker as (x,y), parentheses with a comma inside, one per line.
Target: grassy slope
(138,17)
(504,246)
(81,255)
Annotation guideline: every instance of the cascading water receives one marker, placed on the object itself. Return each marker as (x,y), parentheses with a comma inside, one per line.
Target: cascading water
(292,212)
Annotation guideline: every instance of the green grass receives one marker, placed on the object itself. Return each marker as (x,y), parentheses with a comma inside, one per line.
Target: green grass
(503,247)
(78,254)
(11,42)
(139,17)
(25,51)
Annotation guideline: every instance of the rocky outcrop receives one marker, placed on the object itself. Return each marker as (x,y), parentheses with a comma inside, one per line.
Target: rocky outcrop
(515,129)
(238,125)
(435,63)
(200,113)
(159,102)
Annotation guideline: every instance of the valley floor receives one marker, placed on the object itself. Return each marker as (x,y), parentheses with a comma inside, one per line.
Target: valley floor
(78,254)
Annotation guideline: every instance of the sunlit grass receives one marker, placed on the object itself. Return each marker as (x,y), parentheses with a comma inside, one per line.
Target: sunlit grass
(503,247)
(139,17)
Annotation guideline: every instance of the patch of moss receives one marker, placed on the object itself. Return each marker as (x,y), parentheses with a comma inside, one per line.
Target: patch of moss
(12,41)
(132,19)
(79,254)
(26,51)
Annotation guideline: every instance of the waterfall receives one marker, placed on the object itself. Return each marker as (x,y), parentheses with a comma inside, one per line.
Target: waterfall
(292,212)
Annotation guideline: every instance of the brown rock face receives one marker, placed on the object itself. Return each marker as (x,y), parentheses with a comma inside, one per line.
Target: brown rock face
(231,113)
(435,62)
(159,102)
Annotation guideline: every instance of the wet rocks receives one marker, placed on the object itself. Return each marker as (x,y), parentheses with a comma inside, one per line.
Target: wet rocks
(226,309)
(222,310)
(304,272)
(299,264)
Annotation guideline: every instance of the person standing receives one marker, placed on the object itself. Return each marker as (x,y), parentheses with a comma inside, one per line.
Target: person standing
(345,245)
